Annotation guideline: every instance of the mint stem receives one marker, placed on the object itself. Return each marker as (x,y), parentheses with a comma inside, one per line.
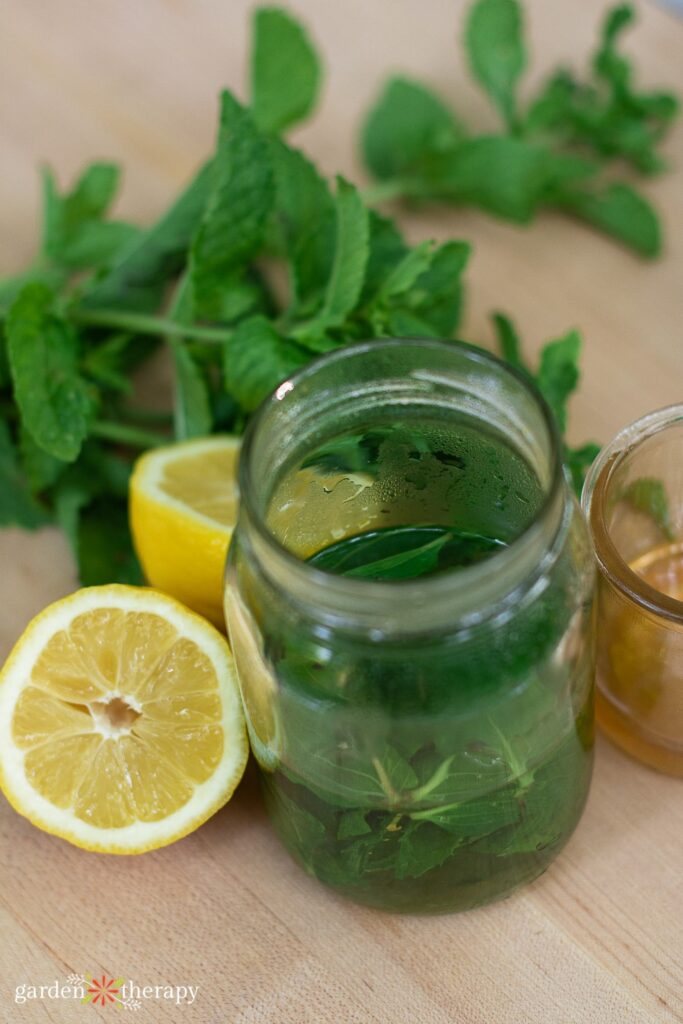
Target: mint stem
(141,323)
(122,434)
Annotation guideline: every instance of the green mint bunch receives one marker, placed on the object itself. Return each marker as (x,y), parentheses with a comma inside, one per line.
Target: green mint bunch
(259,265)
(564,148)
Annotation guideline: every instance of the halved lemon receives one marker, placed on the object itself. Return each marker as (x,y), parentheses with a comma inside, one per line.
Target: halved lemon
(183,507)
(121,727)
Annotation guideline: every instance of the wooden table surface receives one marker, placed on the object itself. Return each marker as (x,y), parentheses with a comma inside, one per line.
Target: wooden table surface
(600,937)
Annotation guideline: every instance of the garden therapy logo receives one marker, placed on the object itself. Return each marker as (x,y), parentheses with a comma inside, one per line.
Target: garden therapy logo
(102,990)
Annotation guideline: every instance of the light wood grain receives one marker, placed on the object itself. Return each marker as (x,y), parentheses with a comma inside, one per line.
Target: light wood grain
(598,939)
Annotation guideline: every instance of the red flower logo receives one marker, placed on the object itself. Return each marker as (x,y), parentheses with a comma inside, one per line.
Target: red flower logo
(103,991)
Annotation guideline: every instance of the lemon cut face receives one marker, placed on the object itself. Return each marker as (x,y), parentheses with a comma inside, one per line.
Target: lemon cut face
(184,501)
(121,727)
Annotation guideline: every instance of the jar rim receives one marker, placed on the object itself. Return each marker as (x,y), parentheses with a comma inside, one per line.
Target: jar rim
(350,590)
(594,501)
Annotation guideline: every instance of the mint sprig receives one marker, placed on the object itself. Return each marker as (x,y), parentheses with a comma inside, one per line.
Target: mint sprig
(257,266)
(562,149)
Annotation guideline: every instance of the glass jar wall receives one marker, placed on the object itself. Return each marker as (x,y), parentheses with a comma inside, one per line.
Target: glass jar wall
(633,500)
(409,600)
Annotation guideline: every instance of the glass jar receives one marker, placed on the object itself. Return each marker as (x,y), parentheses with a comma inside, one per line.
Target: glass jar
(409,597)
(633,500)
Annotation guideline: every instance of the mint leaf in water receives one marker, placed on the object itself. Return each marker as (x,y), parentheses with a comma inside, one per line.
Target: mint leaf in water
(423,847)
(496,51)
(237,209)
(648,495)
(352,824)
(285,70)
(55,402)
(405,565)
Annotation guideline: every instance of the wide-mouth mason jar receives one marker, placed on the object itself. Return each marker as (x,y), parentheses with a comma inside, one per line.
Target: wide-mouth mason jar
(633,500)
(409,600)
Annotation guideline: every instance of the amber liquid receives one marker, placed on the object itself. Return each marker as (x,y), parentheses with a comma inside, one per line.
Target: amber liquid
(640,699)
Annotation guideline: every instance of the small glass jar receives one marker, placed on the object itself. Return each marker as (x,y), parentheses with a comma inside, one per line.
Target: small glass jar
(409,601)
(633,500)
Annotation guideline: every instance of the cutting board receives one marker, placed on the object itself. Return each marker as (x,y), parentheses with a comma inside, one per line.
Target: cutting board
(599,938)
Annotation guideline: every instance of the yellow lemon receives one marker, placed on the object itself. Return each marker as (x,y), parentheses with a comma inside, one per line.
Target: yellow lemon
(183,507)
(121,727)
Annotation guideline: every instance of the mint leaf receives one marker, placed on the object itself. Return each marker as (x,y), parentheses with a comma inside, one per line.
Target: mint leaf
(503,175)
(606,113)
(404,275)
(301,830)
(557,377)
(422,848)
(191,408)
(104,547)
(496,51)
(256,359)
(138,278)
(348,268)
(305,214)
(404,565)
(240,202)
(648,495)
(98,244)
(395,773)
(285,70)
(110,361)
(508,340)
(17,507)
(351,824)
(41,470)
(75,235)
(55,402)
(70,497)
(474,818)
(386,250)
(579,461)
(620,211)
(607,63)
(406,130)
(558,373)
(92,195)
(436,296)
(10,287)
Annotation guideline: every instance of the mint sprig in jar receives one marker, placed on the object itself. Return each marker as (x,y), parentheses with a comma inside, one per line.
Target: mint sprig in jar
(409,599)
